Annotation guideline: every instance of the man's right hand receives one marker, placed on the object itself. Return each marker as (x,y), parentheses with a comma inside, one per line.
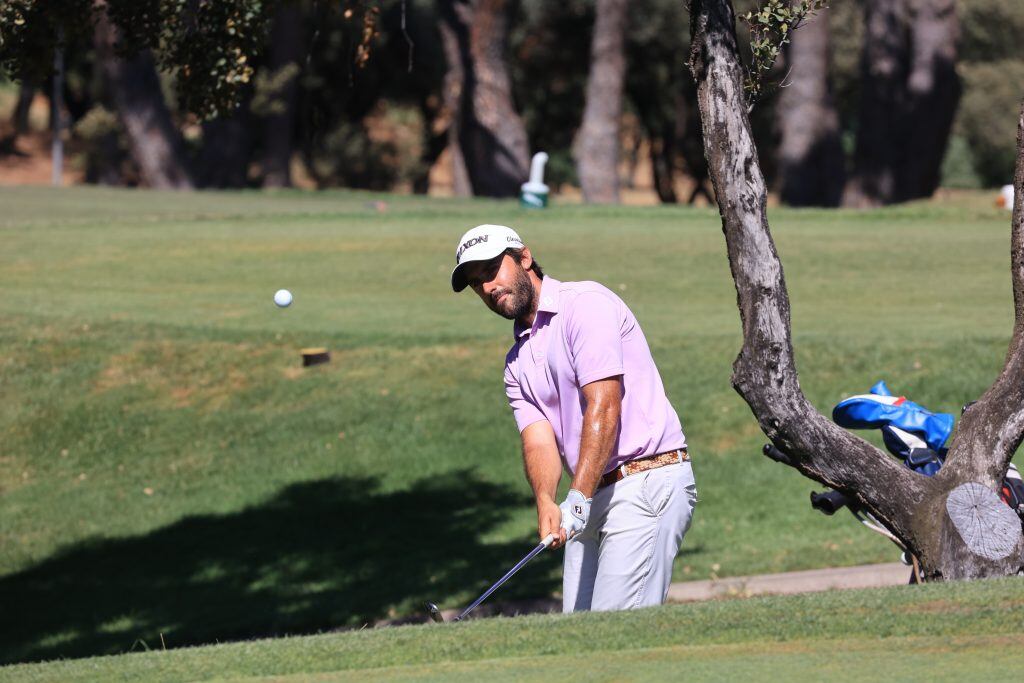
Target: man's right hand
(549,520)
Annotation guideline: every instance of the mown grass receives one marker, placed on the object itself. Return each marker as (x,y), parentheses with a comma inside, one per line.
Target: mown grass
(937,632)
(166,465)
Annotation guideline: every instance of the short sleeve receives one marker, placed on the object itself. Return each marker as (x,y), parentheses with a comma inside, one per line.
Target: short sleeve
(523,410)
(593,333)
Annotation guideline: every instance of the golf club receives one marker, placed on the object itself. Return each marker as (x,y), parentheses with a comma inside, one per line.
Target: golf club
(435,612)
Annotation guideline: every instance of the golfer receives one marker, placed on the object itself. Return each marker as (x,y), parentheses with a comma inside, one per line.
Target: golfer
(587,396)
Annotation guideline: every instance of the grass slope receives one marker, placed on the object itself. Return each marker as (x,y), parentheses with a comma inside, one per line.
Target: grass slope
(938,632)
(166,466)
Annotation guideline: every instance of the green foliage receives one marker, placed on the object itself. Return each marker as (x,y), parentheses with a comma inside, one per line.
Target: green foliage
(209,46)
(988,117)
(846,38)
(958,165)
(990,30)
(992,70)
(97,123)
(103,148)
(30,31)
(771,25)
(378,154)
(268,86)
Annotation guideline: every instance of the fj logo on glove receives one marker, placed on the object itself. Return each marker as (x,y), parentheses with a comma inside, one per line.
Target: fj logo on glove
(577,510)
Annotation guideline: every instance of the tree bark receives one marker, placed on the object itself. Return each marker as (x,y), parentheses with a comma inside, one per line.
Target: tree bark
(454,79)
(909,96)
(597,146)
(155,144)
(226,151)
(934,93)
(663,167)
(491,136)
(26,93)
(689,133)
(938,518)
(811,160)
(285,61)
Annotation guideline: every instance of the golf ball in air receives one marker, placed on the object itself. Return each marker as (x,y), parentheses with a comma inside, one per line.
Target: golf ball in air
(283,298)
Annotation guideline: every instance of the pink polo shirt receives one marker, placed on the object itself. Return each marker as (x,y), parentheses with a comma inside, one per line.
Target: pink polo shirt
(583,332)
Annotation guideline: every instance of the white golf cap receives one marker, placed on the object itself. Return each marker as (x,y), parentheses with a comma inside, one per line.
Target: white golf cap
(482,243)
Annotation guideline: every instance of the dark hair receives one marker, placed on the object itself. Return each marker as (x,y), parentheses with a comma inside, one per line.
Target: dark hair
(517,254)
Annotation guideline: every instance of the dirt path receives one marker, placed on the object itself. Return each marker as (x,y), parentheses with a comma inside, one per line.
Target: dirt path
(788,583)
(811,581)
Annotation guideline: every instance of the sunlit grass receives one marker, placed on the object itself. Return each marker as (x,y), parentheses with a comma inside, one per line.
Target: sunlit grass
(151,393)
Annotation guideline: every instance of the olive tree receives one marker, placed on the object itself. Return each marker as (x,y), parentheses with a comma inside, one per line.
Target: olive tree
(954,522)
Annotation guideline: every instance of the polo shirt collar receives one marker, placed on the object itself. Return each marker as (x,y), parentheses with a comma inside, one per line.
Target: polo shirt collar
(548,303)
(549,288)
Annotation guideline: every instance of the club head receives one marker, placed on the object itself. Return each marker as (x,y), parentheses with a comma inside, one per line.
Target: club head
(435,613)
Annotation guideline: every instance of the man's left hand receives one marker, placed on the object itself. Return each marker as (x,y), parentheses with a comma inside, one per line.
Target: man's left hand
(575,513)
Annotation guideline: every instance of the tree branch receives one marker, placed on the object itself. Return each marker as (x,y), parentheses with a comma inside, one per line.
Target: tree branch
(994,425)
(765,372)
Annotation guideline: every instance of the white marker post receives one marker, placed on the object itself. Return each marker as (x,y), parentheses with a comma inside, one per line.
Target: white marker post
(1006,197)
(534,193)
(57,112)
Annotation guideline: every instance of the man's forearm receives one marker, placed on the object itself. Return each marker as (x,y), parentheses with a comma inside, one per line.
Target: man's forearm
(600,433)
(543,470)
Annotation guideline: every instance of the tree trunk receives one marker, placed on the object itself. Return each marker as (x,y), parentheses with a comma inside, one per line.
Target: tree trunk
(810,154)
(597,146)
(689,132)
(934,93)
(663,169)
(950,521)
(657,99)
(26,93)
(434,145)
(910,91)
(156,145)
(226,151)
(285,63)
(491,136)
(454,80)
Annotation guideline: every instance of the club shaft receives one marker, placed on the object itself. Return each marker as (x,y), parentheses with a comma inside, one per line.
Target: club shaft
(519,565)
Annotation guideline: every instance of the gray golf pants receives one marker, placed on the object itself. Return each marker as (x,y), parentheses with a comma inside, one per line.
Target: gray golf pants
(623,559)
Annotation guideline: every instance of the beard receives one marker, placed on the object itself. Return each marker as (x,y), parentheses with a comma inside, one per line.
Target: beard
(519,299)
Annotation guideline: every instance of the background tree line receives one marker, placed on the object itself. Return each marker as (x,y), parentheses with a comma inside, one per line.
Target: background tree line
(876,101)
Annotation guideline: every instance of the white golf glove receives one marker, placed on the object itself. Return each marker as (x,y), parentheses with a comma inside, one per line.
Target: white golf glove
(575,513)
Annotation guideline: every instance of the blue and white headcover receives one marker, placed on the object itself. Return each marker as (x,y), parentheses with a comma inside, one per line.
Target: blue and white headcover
(905,425)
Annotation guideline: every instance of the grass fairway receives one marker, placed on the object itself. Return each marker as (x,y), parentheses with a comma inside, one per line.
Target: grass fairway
(167,467)
(944,632)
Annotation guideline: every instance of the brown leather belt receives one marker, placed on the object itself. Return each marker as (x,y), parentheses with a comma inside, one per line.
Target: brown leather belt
(650,462)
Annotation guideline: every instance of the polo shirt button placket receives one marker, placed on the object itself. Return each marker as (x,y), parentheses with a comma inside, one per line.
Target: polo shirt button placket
(535,347)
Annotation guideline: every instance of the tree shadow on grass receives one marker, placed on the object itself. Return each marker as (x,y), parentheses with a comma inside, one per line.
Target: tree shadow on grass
(319,555)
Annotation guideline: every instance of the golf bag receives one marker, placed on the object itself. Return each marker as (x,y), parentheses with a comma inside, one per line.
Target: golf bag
(913,434)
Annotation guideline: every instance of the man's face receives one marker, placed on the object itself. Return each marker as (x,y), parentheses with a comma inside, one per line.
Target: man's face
(504,286)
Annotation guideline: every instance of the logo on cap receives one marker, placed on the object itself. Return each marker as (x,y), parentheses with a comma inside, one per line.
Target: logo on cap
(469,243)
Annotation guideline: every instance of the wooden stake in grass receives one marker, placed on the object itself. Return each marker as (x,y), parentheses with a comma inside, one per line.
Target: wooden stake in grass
(315,356)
